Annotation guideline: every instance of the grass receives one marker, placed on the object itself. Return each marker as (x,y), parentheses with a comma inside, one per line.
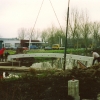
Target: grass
(69,51)
(38,51)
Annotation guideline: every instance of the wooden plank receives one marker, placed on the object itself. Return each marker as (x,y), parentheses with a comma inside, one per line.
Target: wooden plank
(14,68)
(9,63)
(23,69)
(81,64)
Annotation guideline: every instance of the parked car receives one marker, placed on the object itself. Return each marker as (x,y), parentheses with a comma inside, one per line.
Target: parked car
(48,48)
(33,47)
(25,48)
(55,46)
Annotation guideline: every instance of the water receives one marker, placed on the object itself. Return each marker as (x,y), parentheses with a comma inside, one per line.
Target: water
(54,64)
(58,64)
(51,64)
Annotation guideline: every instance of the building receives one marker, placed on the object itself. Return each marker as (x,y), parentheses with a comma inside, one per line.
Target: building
(15,42)
(10,42)
(34,44)
(1,44)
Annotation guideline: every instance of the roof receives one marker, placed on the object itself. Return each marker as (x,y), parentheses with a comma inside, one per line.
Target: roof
(35,42)
(8,39)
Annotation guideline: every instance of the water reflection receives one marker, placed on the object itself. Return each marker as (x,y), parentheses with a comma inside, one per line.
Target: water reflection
(54,64)
(58,64)
(50,64)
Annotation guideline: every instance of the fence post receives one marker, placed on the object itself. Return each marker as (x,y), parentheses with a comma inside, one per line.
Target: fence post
(73,89)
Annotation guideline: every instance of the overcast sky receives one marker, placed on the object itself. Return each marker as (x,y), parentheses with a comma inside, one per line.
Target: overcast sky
(17,14)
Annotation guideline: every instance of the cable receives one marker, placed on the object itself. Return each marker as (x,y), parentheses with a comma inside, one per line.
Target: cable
(56,15)
(35,24)
(39,13)
(37,17)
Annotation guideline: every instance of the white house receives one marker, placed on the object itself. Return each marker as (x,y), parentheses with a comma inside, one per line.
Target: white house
(10,42)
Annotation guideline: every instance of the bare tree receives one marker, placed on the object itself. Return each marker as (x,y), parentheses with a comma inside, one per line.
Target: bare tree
(53,35)
(96,34)
(44,35)
(85,29)
(22,34)
(34,34)
(74,27)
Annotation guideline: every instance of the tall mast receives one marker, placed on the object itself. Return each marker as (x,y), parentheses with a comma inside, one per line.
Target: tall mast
(66,36)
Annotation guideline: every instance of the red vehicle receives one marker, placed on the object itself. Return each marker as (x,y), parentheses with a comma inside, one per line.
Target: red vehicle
(25,48)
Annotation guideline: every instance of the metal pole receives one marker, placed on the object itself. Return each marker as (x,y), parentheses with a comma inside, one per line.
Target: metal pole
(66,37)
(30,40)
(59,40)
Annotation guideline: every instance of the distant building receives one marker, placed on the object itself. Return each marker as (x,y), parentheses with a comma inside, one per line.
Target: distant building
(34,43)
(1,45)
(10,42)
(14,43)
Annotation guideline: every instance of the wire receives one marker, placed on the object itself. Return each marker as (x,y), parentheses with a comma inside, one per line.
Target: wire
(56,15)
(35,24)
(39,13)
(37,18)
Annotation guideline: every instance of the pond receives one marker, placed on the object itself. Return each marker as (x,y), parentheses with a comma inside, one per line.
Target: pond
(51,64)
(54,64)
(46,65)
(58,63)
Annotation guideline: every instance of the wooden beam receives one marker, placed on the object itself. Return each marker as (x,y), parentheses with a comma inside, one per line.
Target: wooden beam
(24,69)
(14,68)
(81,64)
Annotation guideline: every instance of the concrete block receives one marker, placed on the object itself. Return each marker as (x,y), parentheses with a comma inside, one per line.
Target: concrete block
(73,89)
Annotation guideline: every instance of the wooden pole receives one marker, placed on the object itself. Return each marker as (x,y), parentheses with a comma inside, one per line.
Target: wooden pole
(66,37)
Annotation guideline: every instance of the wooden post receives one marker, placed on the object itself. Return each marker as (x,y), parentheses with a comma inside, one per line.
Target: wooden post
(73,89)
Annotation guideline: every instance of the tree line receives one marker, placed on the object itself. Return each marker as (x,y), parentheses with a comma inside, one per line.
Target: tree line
(82,32)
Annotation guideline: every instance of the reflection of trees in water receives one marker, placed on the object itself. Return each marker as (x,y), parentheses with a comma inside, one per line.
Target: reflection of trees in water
(57,63)
(51,63)
(54,63)
(70,63)
(45,65)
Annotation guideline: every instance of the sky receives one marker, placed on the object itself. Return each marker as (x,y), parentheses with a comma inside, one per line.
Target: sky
(17,14)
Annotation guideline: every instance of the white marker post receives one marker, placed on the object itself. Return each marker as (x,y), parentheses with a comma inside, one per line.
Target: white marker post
(73,89)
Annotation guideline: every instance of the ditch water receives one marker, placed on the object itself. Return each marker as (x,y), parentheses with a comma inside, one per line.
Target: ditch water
(51,64)
(54,64)
(58,64)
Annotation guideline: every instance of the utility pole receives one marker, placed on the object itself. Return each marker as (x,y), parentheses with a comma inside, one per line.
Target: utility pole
(30,39)
(66,36)
(59,40)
